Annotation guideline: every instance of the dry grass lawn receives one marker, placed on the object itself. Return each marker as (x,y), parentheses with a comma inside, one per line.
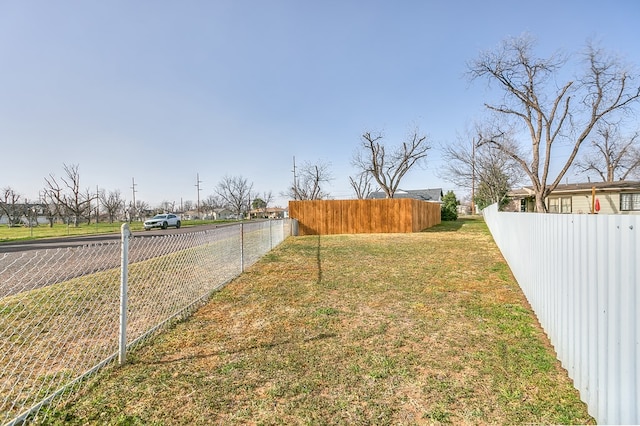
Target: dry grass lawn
(401,329)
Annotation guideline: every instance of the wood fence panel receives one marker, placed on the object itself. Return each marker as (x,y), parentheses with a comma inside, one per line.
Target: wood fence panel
(404,212)
(378,217)
(322,217)
(352,217)
(333,217)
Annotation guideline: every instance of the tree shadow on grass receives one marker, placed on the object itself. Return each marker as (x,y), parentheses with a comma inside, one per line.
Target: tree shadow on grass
(448,226)
(451,225)
(319,260)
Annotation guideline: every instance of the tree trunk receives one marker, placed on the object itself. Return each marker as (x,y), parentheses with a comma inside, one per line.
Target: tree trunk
(540,205)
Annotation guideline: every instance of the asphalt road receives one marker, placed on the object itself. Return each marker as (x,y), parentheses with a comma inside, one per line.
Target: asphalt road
(27,265)
(76,241)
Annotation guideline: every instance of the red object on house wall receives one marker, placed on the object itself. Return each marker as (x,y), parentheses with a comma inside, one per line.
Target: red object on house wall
(597,205)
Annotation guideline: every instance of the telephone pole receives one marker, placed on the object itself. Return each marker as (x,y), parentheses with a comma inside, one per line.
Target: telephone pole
(295,181)
(473,176)
(97,205)
(198,182)
(133,189)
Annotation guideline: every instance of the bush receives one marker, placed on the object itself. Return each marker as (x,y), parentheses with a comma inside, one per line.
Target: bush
(449,208)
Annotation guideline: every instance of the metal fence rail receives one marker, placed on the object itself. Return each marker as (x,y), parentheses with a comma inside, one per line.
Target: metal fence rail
(581,275)
(60,309)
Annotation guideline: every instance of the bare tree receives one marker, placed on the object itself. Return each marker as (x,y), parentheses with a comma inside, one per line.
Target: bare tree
(494,185)
(112,202)
(361,184)
(550,115)
(68,195)
(52,208)
(169,206)
(137,210)
(485,167)
(612,156)
(87,195)
(309,180)
(267,197)
(235,193)
(11,206)
(388,168)
(187,205)
(209,204)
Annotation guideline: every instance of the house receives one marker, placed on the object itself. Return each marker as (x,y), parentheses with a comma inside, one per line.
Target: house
(223,214)
(433,195)
(269,212)
(621,197)
(24,214)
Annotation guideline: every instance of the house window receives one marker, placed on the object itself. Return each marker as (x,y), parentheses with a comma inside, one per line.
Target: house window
(629,202)
(560,205)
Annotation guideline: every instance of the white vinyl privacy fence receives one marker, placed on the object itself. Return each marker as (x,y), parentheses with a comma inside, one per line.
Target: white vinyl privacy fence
(66,312)
(581,275)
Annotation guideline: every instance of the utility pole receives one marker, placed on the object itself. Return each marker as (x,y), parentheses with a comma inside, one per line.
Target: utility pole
(473,176)
(198,182)
(133,189)
(295,181)
(97,205)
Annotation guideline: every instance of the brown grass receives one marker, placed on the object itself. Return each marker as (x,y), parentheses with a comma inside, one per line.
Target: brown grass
(421,328)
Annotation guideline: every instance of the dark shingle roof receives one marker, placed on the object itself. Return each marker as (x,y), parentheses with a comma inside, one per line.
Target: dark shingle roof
(434,194)
(582,187)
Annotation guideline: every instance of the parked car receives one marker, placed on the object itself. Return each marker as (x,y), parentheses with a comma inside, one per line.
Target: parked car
(162,221)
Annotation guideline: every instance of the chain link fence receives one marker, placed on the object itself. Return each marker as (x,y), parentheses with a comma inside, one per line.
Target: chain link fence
(63,314)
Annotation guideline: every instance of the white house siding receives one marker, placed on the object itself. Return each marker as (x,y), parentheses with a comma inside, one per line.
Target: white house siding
(581,203)
(609,203)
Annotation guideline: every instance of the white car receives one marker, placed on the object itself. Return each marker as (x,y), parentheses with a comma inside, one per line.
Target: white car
(162,221)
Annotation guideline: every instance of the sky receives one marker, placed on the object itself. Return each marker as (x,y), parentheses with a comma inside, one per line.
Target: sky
(165,93)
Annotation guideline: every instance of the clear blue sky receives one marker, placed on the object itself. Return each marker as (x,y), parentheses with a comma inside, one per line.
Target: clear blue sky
(162,90)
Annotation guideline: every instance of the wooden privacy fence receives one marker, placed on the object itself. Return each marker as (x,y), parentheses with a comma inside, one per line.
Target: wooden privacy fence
(322,217)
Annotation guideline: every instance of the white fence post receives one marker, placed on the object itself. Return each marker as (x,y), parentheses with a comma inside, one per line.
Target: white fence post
(124,274)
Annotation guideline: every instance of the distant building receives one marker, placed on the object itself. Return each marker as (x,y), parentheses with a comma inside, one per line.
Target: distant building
(224,214)
(268,213)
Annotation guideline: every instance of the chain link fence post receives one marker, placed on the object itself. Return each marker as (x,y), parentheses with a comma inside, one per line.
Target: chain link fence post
(241,247)
(124,275)
(270,234)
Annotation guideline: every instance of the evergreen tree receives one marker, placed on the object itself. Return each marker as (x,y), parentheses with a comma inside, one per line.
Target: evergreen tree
(449,209)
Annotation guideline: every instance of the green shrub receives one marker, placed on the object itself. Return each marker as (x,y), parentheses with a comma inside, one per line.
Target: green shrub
(449,208)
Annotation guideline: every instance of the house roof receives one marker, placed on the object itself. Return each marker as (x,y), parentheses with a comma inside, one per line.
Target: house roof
(433,194)
(269,210)
(582,187)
